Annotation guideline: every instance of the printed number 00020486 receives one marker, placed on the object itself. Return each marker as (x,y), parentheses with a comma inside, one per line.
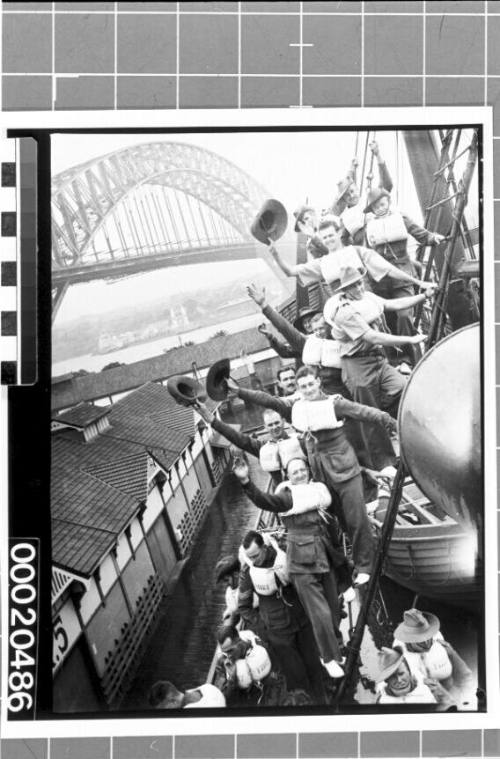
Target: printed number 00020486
(23,602)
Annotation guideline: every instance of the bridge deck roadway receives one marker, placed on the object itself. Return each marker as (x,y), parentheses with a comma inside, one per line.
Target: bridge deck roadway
(142,263)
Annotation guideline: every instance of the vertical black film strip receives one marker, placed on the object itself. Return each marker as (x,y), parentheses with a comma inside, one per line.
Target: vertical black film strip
(18,254)
(8,263)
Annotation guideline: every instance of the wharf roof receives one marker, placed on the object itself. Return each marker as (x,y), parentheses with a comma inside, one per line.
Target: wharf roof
(82,415)
(176,361)
(87,515)
(98,486)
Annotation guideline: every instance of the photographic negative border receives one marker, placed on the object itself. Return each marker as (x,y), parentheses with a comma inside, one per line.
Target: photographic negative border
(339,119)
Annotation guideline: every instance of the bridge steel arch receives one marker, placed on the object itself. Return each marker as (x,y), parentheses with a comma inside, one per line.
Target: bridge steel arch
(145,203)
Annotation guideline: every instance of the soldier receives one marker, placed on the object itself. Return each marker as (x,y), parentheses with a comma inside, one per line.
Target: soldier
(339,256)
(306,221)
(347,204)
(355,317)
(331,457)
(164,695)
(387,232)
(287,628)
(310,555)
(273,453)
(319,349)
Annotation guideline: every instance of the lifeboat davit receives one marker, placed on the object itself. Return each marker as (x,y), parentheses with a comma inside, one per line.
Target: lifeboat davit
(440,426)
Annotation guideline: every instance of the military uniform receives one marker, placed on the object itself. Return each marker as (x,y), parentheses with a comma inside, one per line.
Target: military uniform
(388,235)
(331,383)
(354,219)
(287,627)
(333,461)
(248,443)
(366,370)
(311,562)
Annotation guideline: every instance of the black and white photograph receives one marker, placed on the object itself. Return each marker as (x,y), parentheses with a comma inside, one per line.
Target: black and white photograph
(270,375)
(266,478)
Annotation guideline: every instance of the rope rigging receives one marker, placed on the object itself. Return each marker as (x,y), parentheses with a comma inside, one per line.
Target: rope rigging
(436,331)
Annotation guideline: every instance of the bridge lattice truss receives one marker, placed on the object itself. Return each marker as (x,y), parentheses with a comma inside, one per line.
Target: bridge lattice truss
(150,205)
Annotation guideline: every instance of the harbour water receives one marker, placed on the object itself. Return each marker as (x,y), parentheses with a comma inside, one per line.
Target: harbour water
(95,362)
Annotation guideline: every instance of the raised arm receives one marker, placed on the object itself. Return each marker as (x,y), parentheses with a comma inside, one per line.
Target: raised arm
(290,271)
(363,413)
(282,349)
(384,177)
(264,399)
(294,337)
(266,501)
(239,439)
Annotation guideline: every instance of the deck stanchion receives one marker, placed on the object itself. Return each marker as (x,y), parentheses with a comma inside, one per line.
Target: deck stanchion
(354,645)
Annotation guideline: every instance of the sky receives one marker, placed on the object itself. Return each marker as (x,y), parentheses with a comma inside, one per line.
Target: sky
(292,166)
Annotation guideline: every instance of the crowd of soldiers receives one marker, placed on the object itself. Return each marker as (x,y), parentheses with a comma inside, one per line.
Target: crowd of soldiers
(330,439)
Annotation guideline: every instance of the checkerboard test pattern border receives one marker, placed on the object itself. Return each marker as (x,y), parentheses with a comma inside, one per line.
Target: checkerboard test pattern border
(8,263)
(245,54)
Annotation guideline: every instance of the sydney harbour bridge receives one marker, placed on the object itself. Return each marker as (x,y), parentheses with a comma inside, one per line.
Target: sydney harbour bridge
(161,204)
(152,205)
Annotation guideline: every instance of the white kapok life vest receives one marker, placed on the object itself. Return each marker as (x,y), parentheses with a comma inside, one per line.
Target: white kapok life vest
(368,307)
(321,351)
(210,697)
(384,229)
(331,264)
(353,219)
(275,454)
(264,578)
(315,415)
(309,496)
(433,663)
(257,661)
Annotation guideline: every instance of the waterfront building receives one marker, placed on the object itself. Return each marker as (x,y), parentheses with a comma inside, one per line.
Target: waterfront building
(131,485)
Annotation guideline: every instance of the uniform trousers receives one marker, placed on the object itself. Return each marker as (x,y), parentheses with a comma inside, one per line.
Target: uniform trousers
(399,322)
(351,500)
(297,656)
(373,381)
(360,434)
(319,597)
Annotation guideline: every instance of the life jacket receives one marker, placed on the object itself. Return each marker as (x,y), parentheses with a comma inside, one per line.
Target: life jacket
(211,697)
(331,264)
(315,415)
(381,230)
(255,666)
(353,219)
(368,307)
(321,351)
(433,663)
(231,598)
(275,454)
(421,694)
(258,662)
(308,496)
(264,579)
